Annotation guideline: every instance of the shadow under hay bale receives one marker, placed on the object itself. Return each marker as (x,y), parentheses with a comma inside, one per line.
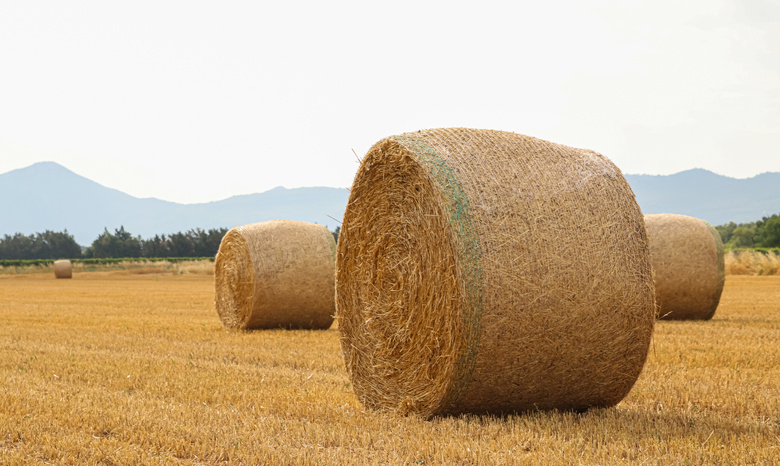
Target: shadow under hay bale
(63,269)
(687,257)
(486,271)
(276,274)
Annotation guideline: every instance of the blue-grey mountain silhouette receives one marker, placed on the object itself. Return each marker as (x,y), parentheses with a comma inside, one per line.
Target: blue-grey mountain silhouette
(48,196)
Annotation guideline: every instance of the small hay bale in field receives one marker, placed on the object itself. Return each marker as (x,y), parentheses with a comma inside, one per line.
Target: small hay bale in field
(687,256)
(486,271)
(275,274)
(63,269)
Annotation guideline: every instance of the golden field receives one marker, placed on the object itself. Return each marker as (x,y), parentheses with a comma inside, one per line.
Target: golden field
(134,367)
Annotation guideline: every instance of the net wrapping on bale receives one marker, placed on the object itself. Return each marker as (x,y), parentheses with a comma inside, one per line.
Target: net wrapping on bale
(687,256)
(275,274)
(485,271)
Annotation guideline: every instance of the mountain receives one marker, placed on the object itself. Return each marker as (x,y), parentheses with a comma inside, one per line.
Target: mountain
(709,196)
(48,196)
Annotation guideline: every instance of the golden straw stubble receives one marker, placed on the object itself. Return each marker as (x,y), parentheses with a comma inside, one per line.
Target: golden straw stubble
(278,273)
(63,269)
(486,271)
(687,256)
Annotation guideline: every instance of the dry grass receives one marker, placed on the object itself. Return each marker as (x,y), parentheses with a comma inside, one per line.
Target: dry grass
(137,369)
(752,263)
(125,267)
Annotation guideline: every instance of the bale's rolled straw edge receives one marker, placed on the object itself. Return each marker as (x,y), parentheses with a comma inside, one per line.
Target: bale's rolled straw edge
(234,280)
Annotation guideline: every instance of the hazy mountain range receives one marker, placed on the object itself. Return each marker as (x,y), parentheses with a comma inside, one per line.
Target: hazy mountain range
(48,196)
(707,195)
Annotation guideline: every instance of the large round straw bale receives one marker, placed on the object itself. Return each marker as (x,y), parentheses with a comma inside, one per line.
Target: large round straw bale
(63,269)
(687,256)
(276,274)
(486,271)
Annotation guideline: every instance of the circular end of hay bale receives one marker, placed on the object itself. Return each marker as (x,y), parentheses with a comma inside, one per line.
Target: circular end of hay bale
(276,274)
(403,304)
(63,269)
(689,266)
(477,271)
(234,280)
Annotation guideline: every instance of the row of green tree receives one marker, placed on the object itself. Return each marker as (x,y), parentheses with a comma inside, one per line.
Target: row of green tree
(192,243)
(205,243)
(764,233)
(46,245)
(120,243)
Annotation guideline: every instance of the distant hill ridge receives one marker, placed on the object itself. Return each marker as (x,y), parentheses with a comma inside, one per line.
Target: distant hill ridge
(703,194)
(48,196)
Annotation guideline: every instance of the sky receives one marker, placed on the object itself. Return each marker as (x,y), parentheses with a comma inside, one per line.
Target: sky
(192,101)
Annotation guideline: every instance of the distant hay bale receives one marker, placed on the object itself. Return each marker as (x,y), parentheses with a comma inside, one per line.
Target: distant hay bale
(687,256)
(486,271)
(63,269)
(276,274)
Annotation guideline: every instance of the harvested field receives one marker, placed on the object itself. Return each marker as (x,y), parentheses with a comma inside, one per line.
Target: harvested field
(119,368)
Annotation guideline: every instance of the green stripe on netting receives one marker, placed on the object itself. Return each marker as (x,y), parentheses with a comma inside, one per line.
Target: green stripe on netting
(468,256)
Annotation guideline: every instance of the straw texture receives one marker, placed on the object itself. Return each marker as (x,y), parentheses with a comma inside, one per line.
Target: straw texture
(276,274)
(63,269)
(687,256)
(486,271)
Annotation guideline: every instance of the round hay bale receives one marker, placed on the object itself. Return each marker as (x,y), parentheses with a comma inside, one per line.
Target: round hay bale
(486,271)
(687,257)
(63,269)
(276,274)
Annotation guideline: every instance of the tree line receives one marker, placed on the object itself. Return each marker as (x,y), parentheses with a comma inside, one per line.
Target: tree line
(205,243)
(46,245)
(120,243)
(764,233)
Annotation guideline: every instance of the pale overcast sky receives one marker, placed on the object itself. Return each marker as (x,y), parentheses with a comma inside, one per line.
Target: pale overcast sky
(193,101)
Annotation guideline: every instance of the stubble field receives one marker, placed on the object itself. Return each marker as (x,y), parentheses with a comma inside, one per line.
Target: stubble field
(135,368)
